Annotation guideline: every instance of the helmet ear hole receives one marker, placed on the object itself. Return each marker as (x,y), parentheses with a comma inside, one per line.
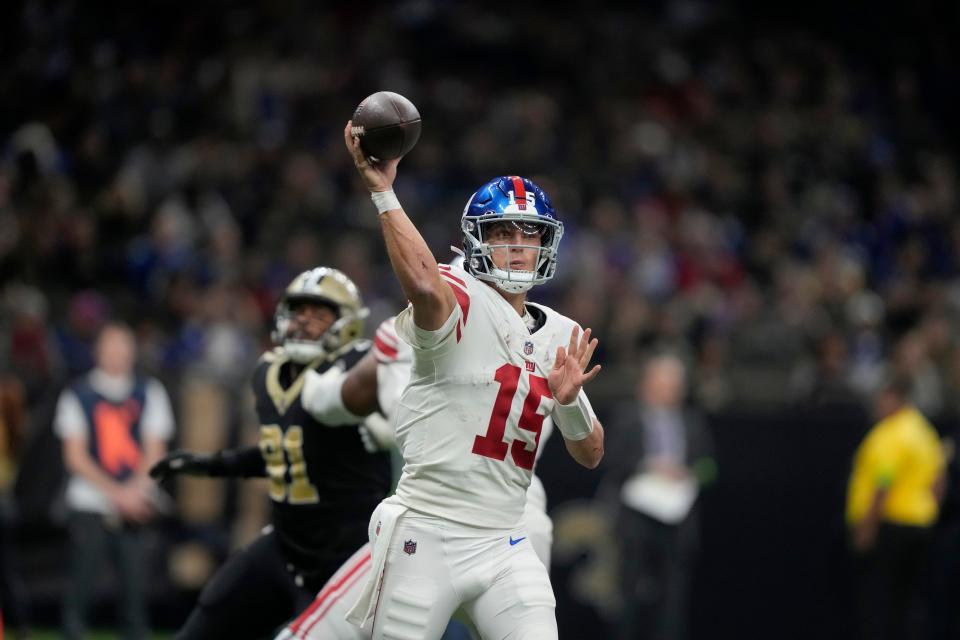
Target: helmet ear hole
(329,341)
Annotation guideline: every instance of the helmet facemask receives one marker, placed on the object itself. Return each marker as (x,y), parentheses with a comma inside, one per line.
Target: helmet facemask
(302,349)
(479,249)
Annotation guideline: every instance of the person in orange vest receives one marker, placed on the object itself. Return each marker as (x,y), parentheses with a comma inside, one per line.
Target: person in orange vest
(113,424)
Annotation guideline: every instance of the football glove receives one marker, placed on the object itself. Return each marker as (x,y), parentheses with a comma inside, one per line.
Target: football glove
(182,462)
(376,433)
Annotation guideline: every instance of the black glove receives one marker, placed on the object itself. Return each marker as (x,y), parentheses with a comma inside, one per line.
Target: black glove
(177,462)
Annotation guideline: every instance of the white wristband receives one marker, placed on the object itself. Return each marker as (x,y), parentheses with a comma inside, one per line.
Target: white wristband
(384,200)
(573,420)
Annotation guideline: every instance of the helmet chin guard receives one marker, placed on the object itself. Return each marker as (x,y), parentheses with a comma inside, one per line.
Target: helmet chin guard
(522,203)
(303,351)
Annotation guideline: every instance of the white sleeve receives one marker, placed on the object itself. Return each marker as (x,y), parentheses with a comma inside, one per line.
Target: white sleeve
(322,397)
(381,430)
(392,379)
(424,339)
(157,412)
(69,420)
(545,432)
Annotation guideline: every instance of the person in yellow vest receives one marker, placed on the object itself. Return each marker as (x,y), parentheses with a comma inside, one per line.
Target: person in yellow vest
(893,501)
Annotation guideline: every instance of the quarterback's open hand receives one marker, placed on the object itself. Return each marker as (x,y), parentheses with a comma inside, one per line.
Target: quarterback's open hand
(568,373)
(378,175)
(178,462)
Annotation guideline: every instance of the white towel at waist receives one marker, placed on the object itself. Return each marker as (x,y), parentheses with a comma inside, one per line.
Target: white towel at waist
(380,531)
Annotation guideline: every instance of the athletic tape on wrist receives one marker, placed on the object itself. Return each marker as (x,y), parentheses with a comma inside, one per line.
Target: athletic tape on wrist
(384,200)
(573,420)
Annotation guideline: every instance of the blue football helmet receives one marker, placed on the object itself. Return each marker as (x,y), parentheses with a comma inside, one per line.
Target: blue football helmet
(522,203)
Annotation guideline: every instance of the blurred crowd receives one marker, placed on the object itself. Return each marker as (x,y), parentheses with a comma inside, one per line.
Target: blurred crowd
(777,211)
(777,206)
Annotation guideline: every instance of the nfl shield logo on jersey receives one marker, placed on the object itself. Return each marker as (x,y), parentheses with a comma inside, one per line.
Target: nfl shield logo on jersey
(528,347)
(410,547)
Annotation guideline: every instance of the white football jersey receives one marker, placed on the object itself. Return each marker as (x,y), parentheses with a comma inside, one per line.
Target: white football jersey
(470,421)
(394,359)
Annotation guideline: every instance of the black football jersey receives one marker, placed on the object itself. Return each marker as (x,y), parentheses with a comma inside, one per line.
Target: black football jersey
(319,476)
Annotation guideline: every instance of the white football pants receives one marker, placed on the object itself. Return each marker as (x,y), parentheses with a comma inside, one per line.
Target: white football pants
(325,618)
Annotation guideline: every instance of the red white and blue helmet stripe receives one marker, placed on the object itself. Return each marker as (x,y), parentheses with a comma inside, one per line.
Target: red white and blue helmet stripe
(514,199)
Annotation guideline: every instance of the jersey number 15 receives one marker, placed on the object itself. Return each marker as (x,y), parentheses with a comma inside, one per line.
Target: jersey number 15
(492,444)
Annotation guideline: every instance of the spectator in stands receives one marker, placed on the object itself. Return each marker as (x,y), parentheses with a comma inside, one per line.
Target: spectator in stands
(661,455)
(762,180)
(114,425)
(13,603)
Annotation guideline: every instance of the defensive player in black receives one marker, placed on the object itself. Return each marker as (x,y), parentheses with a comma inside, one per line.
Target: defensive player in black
(324,484)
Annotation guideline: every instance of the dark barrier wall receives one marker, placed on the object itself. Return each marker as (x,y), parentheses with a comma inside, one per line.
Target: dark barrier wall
(774,562)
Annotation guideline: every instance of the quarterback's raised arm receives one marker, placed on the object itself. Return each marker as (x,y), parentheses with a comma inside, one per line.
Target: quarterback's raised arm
(412,260)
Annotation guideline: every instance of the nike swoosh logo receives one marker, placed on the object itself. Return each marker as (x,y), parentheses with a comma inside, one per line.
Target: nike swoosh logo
(518,540)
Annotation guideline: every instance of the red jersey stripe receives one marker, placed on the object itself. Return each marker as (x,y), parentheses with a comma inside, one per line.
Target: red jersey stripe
(450,276)
(389,338)
(463,299)
(321,615)
(384,349)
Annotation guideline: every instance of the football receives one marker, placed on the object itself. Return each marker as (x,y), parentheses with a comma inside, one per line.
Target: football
(387,124)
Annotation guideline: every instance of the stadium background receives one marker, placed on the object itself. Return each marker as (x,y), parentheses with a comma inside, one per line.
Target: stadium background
(769,191)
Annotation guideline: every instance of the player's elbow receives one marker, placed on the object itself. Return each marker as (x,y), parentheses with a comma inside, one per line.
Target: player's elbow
(589,458)
(425,292)
(592,458)
(431,306)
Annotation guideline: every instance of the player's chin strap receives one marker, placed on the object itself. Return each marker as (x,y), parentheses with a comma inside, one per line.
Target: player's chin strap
(506,280)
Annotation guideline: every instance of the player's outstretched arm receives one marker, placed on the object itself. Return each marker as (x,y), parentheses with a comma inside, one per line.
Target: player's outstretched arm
(582,433)
(244,463)
(336,397)
(359,391)
(412,260)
